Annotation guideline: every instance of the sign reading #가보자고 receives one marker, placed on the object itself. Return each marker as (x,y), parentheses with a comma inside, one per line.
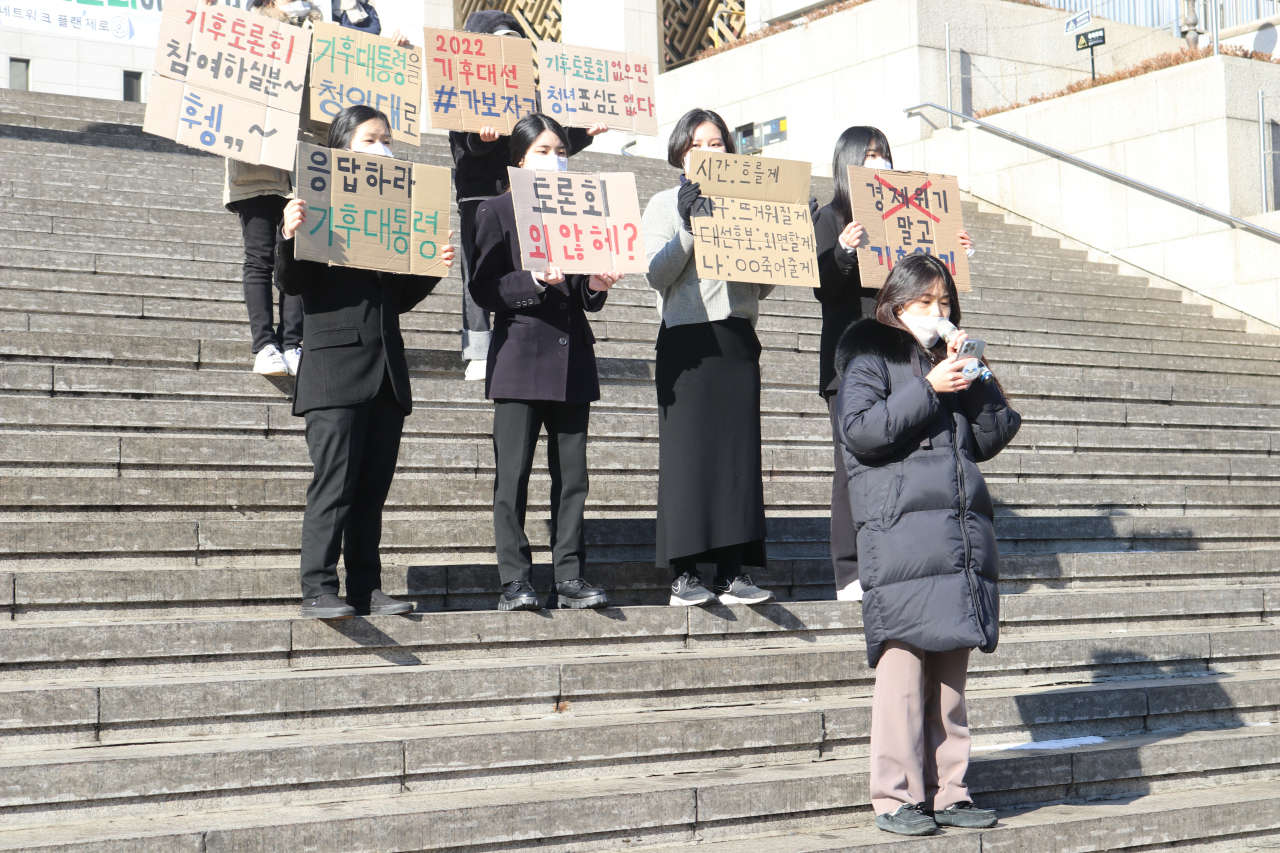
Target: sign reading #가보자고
(906,213)
(349,67)
(582,86)
(752,221)
(580,222)
(475,80)
(371,212)
(228,82)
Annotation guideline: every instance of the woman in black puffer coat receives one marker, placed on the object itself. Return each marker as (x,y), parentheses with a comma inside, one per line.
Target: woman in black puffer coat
(913,430)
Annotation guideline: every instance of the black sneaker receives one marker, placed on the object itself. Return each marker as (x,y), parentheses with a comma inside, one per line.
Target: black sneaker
(378,603)
(577,595)
(518,595)
(742,591)
(965,814)
(909,819)
(327,606)
(688,591)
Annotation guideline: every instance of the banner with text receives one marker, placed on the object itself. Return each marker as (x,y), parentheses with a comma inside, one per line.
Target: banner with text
(905,213)
(752,220)
(581,222)
(349,68)
(582,86)
(476,80)
(371,212)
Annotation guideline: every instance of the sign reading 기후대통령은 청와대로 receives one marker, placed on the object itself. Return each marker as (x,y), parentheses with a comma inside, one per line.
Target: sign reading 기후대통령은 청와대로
(349,67)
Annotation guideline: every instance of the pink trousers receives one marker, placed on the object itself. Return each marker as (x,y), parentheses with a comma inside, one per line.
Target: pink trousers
(919,729)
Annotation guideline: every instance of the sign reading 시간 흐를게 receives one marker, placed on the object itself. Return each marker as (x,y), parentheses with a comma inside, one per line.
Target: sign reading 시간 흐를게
(581,222)
(475,80)
(349,67)
(372,212)
(905,213)
(582,86)
(752,222)
(228,82)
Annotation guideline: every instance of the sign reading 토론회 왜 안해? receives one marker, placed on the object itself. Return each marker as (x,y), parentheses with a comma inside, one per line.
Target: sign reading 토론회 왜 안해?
(580,222)
(349,67)
(906,213)
(476,80)
(752,221)
(582,86)
(371,212)
(228,82)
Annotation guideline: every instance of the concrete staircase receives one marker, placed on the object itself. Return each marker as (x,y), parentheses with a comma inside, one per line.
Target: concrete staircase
(157,695)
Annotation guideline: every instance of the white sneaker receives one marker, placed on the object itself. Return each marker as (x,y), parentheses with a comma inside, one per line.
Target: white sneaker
(291,358)
(269,362)
(476,369)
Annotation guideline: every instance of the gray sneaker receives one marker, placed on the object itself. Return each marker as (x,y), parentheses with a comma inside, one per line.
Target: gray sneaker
(742,591)
(965,814)
(909,819)
(688,591)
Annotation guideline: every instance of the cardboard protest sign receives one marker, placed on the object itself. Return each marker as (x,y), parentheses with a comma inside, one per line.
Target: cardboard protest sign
(228,82)
(582,86)
(350,67)
(905,213)
(581,222)
(476,80)
(752,222)
(371,212)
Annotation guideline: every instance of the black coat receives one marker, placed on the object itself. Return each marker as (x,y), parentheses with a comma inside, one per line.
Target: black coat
(926,543)
(542,347)
(840,291)
(351,330)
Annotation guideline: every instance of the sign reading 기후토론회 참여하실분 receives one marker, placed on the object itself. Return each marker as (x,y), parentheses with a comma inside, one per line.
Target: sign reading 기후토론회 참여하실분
(228,82)
(580,222)
(371,212)
(752,221)
(582,86)
(476,80)
(905,213)
(349,67)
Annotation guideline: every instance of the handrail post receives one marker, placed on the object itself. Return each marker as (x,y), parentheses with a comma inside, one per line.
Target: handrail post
(951,122)
(1217,11)
(1262,146)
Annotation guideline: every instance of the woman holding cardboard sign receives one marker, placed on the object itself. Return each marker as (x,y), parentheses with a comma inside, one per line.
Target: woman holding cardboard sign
(710,487)
(353,389)
(540,371)
(845,301)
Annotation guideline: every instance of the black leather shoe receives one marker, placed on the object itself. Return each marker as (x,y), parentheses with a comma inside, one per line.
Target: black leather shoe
(909,819)
(965,814)
(518,595)
(578,595)
(378,603)
(327,606)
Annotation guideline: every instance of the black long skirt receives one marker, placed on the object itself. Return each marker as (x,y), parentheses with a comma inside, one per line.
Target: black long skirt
(710,487)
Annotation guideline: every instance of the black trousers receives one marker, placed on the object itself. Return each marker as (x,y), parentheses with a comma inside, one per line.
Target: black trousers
(476,328)
(260,219)
(844,537)
(516,424)
(353,450)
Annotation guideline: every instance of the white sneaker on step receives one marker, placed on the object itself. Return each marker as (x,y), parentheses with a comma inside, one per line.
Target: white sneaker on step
(476,369)
(269,362)
(291,359)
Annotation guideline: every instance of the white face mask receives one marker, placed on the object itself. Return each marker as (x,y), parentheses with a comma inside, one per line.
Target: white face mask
(375,148)
(546,162)
(925,328)
(296,9)
(879,163)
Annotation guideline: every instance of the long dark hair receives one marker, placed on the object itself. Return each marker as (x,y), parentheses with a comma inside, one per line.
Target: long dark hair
(345,124)
(528,129)
(851,150)
(682,135)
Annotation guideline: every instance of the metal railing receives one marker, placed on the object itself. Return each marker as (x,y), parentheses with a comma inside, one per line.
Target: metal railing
(1167,14)
(1105,172)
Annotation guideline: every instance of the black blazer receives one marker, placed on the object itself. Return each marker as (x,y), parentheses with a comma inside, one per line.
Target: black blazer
(542,347)
(844,299)
(480,168)
(351,330)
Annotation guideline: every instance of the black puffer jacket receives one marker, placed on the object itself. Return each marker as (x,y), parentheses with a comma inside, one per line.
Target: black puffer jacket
(926,543)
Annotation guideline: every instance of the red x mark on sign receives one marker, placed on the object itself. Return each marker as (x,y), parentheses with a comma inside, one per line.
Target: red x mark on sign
(913,200)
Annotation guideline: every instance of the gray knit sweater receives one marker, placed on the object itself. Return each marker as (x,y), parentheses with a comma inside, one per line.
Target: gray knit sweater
(682,296)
